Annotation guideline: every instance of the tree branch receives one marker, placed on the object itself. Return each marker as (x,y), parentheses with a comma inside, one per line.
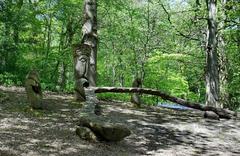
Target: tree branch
(179,33)
(223,113)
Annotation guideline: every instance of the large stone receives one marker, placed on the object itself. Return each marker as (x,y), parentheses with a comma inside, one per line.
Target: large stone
(211,115)
(86,134)
(111,132)
(106,131)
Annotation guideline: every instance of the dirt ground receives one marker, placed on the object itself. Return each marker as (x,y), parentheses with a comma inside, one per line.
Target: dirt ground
(155,131)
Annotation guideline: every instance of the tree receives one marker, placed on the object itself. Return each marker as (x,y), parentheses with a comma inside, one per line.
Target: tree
(89,37)
(223,59)
(161,42)
(212,74)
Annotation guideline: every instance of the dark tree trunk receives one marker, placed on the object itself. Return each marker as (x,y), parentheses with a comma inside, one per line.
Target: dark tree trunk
(222,113)
(212,74)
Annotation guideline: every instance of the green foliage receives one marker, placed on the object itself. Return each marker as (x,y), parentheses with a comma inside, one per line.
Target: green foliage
(166,73)
(155,40)
(233,68)
(38,35)
(8,79)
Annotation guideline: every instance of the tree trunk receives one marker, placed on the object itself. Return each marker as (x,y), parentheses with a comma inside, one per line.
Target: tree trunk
(81,58)
(89,38)
(64,44)
(85,53)
(135,98)
(62,76)
(49,37)
(212,74)
(223,61)
(219,111)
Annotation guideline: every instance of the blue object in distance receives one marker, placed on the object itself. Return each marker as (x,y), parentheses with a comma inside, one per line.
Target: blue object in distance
(173,106)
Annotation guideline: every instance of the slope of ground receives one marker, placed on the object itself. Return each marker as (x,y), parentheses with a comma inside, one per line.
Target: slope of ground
(155,131)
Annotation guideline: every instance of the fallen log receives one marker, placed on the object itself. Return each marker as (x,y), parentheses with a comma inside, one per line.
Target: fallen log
(222,113)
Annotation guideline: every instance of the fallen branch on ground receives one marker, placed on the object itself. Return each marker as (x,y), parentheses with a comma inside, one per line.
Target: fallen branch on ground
(223,113)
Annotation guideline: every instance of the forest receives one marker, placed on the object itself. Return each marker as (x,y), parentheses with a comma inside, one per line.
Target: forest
(135,55)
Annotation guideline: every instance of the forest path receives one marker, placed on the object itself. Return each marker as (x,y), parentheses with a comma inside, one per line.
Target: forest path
(155,131)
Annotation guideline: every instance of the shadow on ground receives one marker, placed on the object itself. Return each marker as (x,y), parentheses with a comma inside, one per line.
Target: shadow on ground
(155,131)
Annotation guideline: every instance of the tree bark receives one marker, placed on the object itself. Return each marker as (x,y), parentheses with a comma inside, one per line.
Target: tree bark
(81,58)
(219,111)
(223,60)
(62,75)
(89,38)
(33,90)
(212,74)
(135,98)
(65,42)
(49,35)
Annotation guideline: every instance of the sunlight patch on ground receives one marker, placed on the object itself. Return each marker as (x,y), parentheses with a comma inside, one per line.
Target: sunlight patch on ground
(69,150)
(69,97)
(177,150)
(160,132)
(14,123)
(143,123)
(32,140)
(7,150)
(128,111)
(193,127)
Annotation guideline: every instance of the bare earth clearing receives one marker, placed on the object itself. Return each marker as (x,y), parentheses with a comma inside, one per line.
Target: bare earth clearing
(155,131)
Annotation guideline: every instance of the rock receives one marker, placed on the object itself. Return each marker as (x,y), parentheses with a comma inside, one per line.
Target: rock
(106,131)
(232,112)
(111,132)
(86,134)
(211,115)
